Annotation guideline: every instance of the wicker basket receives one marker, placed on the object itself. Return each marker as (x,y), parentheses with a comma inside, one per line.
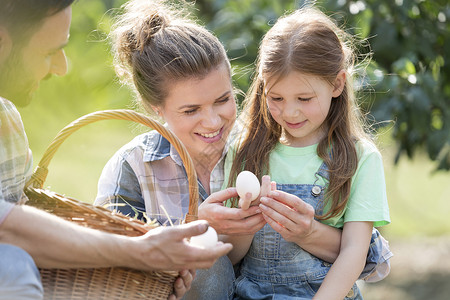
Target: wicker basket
(104,283)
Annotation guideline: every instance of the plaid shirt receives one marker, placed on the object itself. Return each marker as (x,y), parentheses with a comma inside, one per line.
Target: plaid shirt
(15,157)
(148,173)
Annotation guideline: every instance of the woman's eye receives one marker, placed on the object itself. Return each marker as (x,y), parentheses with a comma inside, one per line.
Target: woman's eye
(305,99)
(190,111)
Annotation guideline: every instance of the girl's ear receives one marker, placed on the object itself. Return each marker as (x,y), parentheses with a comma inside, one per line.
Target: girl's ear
(5,44)
(339,83)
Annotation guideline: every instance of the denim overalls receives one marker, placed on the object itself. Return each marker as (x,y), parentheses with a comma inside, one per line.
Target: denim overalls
(276,269)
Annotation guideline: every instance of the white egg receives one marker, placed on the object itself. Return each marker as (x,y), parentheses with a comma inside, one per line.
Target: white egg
(247,182)
(206,240)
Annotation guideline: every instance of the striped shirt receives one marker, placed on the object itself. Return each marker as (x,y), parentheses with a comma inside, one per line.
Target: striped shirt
(146,179)
(15,157)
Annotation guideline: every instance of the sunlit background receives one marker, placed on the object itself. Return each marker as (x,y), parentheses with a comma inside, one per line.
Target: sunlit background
(406,88)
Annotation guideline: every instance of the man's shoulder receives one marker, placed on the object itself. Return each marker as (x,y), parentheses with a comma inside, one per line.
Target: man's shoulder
(11,126)
(7,106)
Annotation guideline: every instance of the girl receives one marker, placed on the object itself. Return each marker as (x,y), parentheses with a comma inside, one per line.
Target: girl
(305,131)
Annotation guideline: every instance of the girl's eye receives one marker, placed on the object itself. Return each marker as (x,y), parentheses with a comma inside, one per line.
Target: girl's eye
(276,99)
(305,99)
(224,100)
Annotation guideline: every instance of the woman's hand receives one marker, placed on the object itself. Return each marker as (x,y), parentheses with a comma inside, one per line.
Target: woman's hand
(230,221)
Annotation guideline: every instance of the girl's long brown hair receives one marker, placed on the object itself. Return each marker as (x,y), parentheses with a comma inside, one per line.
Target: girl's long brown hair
(306,41)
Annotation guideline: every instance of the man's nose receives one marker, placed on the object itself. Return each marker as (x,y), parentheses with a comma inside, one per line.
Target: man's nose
(59,64)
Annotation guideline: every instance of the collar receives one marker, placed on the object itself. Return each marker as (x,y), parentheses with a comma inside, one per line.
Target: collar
(157,147)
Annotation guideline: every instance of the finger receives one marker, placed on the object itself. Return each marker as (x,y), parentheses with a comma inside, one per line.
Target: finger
(223,195)
(274,224)
(265,185)
(292,201)
(193,273)
(190,229)
(244,203)
(245,226)
(279,212)
(238,214)
(252,224)
(202,258)
(211,254)
(179,287)
(273,186)
(277,206)
(187,277)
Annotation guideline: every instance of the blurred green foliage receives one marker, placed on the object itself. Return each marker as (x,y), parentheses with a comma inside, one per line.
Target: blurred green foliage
(90,83)
(407,84)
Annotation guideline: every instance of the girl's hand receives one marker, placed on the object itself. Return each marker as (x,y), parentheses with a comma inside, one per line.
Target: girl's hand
(287,214)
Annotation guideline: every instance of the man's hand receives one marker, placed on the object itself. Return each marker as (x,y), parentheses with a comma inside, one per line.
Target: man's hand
(167,248)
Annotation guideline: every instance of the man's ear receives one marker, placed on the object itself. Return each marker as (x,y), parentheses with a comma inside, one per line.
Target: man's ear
(5,44)
(339,83)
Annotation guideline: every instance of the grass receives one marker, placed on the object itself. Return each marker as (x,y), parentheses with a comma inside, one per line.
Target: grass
(418,197)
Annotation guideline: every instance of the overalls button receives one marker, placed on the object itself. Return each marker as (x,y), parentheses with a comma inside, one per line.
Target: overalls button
(315,191)
(351,293)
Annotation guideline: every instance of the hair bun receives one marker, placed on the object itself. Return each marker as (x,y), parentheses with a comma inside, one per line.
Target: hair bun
(148,28)
(141,21)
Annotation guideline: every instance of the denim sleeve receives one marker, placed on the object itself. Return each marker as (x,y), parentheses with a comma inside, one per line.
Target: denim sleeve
(378,259)
(119,190)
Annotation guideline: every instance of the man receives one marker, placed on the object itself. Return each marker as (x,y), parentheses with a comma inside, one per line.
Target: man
(32,37)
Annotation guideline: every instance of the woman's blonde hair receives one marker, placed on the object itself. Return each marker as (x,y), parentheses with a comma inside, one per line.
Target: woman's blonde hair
(157,43)
(309,42)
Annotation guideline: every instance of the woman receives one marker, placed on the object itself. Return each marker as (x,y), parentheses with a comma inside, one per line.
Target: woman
(181,72)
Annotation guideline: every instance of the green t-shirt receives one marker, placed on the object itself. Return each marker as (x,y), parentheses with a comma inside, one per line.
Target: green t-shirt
(368,200)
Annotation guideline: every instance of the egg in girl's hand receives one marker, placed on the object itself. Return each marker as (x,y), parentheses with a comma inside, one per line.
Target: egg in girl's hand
(247,182)
(205,240)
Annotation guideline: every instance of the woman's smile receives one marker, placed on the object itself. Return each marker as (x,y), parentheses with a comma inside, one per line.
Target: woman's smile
(211,137)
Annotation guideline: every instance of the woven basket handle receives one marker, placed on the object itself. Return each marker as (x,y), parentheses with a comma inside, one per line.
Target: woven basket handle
(40,174)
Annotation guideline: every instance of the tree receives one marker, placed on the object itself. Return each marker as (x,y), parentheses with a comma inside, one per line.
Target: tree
(407,83)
